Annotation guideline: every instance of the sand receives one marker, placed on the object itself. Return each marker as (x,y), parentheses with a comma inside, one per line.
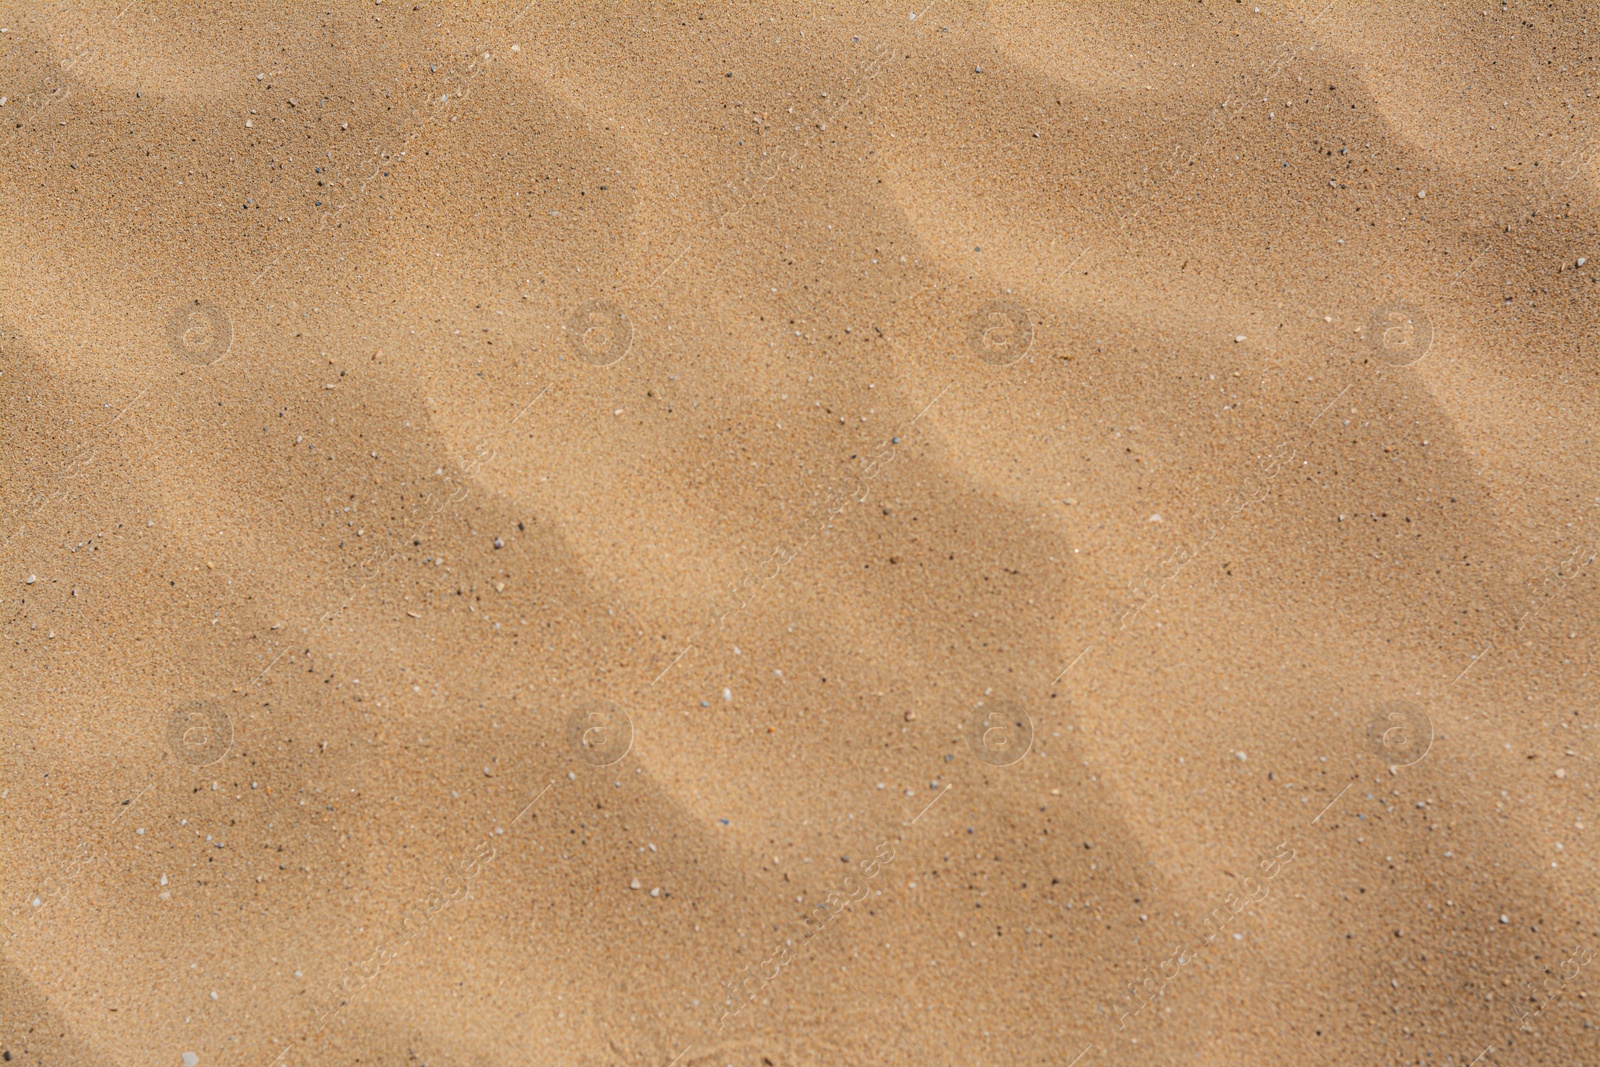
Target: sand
(808,535)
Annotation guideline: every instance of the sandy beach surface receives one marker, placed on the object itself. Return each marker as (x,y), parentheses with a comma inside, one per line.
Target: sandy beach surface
(717,535)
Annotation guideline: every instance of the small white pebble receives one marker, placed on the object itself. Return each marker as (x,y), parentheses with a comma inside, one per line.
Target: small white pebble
(634,884)
(656,892)
(1581,261)
(213,994)
(1422,194)
(1238,339)
(1241,756)
(190,1059)
(31,579)
(1505,919)
(727,694)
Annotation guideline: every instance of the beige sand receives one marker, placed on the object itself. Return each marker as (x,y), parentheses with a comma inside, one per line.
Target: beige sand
(716,535)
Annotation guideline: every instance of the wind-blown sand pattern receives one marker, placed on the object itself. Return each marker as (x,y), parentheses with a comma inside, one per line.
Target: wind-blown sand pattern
(809,535)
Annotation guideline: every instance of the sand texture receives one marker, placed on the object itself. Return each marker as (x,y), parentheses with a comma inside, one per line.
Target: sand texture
(728,535)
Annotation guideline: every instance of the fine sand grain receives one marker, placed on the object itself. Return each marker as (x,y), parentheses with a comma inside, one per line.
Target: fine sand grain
(719,535)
